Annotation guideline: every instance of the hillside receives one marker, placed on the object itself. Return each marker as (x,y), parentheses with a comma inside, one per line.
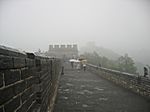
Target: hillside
(91,47)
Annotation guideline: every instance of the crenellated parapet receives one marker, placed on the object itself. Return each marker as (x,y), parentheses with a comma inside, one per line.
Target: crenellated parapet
(69,46)
(63,51)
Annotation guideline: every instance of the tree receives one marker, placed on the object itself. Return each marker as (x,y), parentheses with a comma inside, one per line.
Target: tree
(123,63)
(126,64)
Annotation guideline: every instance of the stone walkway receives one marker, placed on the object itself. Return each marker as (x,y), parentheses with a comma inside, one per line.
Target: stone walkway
(86,92)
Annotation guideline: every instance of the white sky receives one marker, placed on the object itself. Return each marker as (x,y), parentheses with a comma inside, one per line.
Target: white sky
(121,25)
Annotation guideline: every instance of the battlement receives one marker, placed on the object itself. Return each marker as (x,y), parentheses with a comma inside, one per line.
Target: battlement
(69,46)
(69,50)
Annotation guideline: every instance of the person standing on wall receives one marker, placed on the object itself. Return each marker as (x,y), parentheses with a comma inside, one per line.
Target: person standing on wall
(84,67)
(72,64)
(145,71)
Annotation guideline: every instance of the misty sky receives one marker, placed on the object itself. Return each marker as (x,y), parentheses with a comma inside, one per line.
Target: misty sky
(120,25)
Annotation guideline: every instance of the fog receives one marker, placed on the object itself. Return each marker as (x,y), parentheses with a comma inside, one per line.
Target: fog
(119,25)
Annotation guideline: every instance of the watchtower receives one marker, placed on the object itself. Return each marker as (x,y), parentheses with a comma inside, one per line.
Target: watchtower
(63,51)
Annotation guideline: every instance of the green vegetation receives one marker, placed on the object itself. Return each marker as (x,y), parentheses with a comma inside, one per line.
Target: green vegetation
(123,63)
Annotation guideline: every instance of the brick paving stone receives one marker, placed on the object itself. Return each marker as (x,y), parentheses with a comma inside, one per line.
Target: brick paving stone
(81,91)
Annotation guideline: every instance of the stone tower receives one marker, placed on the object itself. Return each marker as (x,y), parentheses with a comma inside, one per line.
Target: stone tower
(63,51)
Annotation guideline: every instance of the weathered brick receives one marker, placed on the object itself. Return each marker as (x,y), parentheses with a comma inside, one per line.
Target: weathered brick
(31,81)
(43,61)
(30,62)
(38,62)
(19,87)
(11,52)
(1,109)
(6,62)
(12,105)
(26,94)
(6,94)
(19,62)
(1,79)
(11,76)
(34,107)
(25,73)
(30,55)
(27,104)
(32,70)
(3,51)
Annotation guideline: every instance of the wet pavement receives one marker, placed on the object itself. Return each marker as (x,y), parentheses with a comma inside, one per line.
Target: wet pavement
(81,91)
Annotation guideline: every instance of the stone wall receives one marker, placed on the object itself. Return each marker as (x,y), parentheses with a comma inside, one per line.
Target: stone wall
(28,83)
(137,84)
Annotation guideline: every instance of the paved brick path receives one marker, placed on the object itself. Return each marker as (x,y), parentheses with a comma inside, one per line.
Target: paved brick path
(86,92)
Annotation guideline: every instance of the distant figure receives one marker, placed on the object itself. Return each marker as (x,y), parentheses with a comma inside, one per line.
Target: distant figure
(145,72)
(81,66)
(72,64)
(139,79)
(99,65)
(78,67)
(84,67)
(62,70)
